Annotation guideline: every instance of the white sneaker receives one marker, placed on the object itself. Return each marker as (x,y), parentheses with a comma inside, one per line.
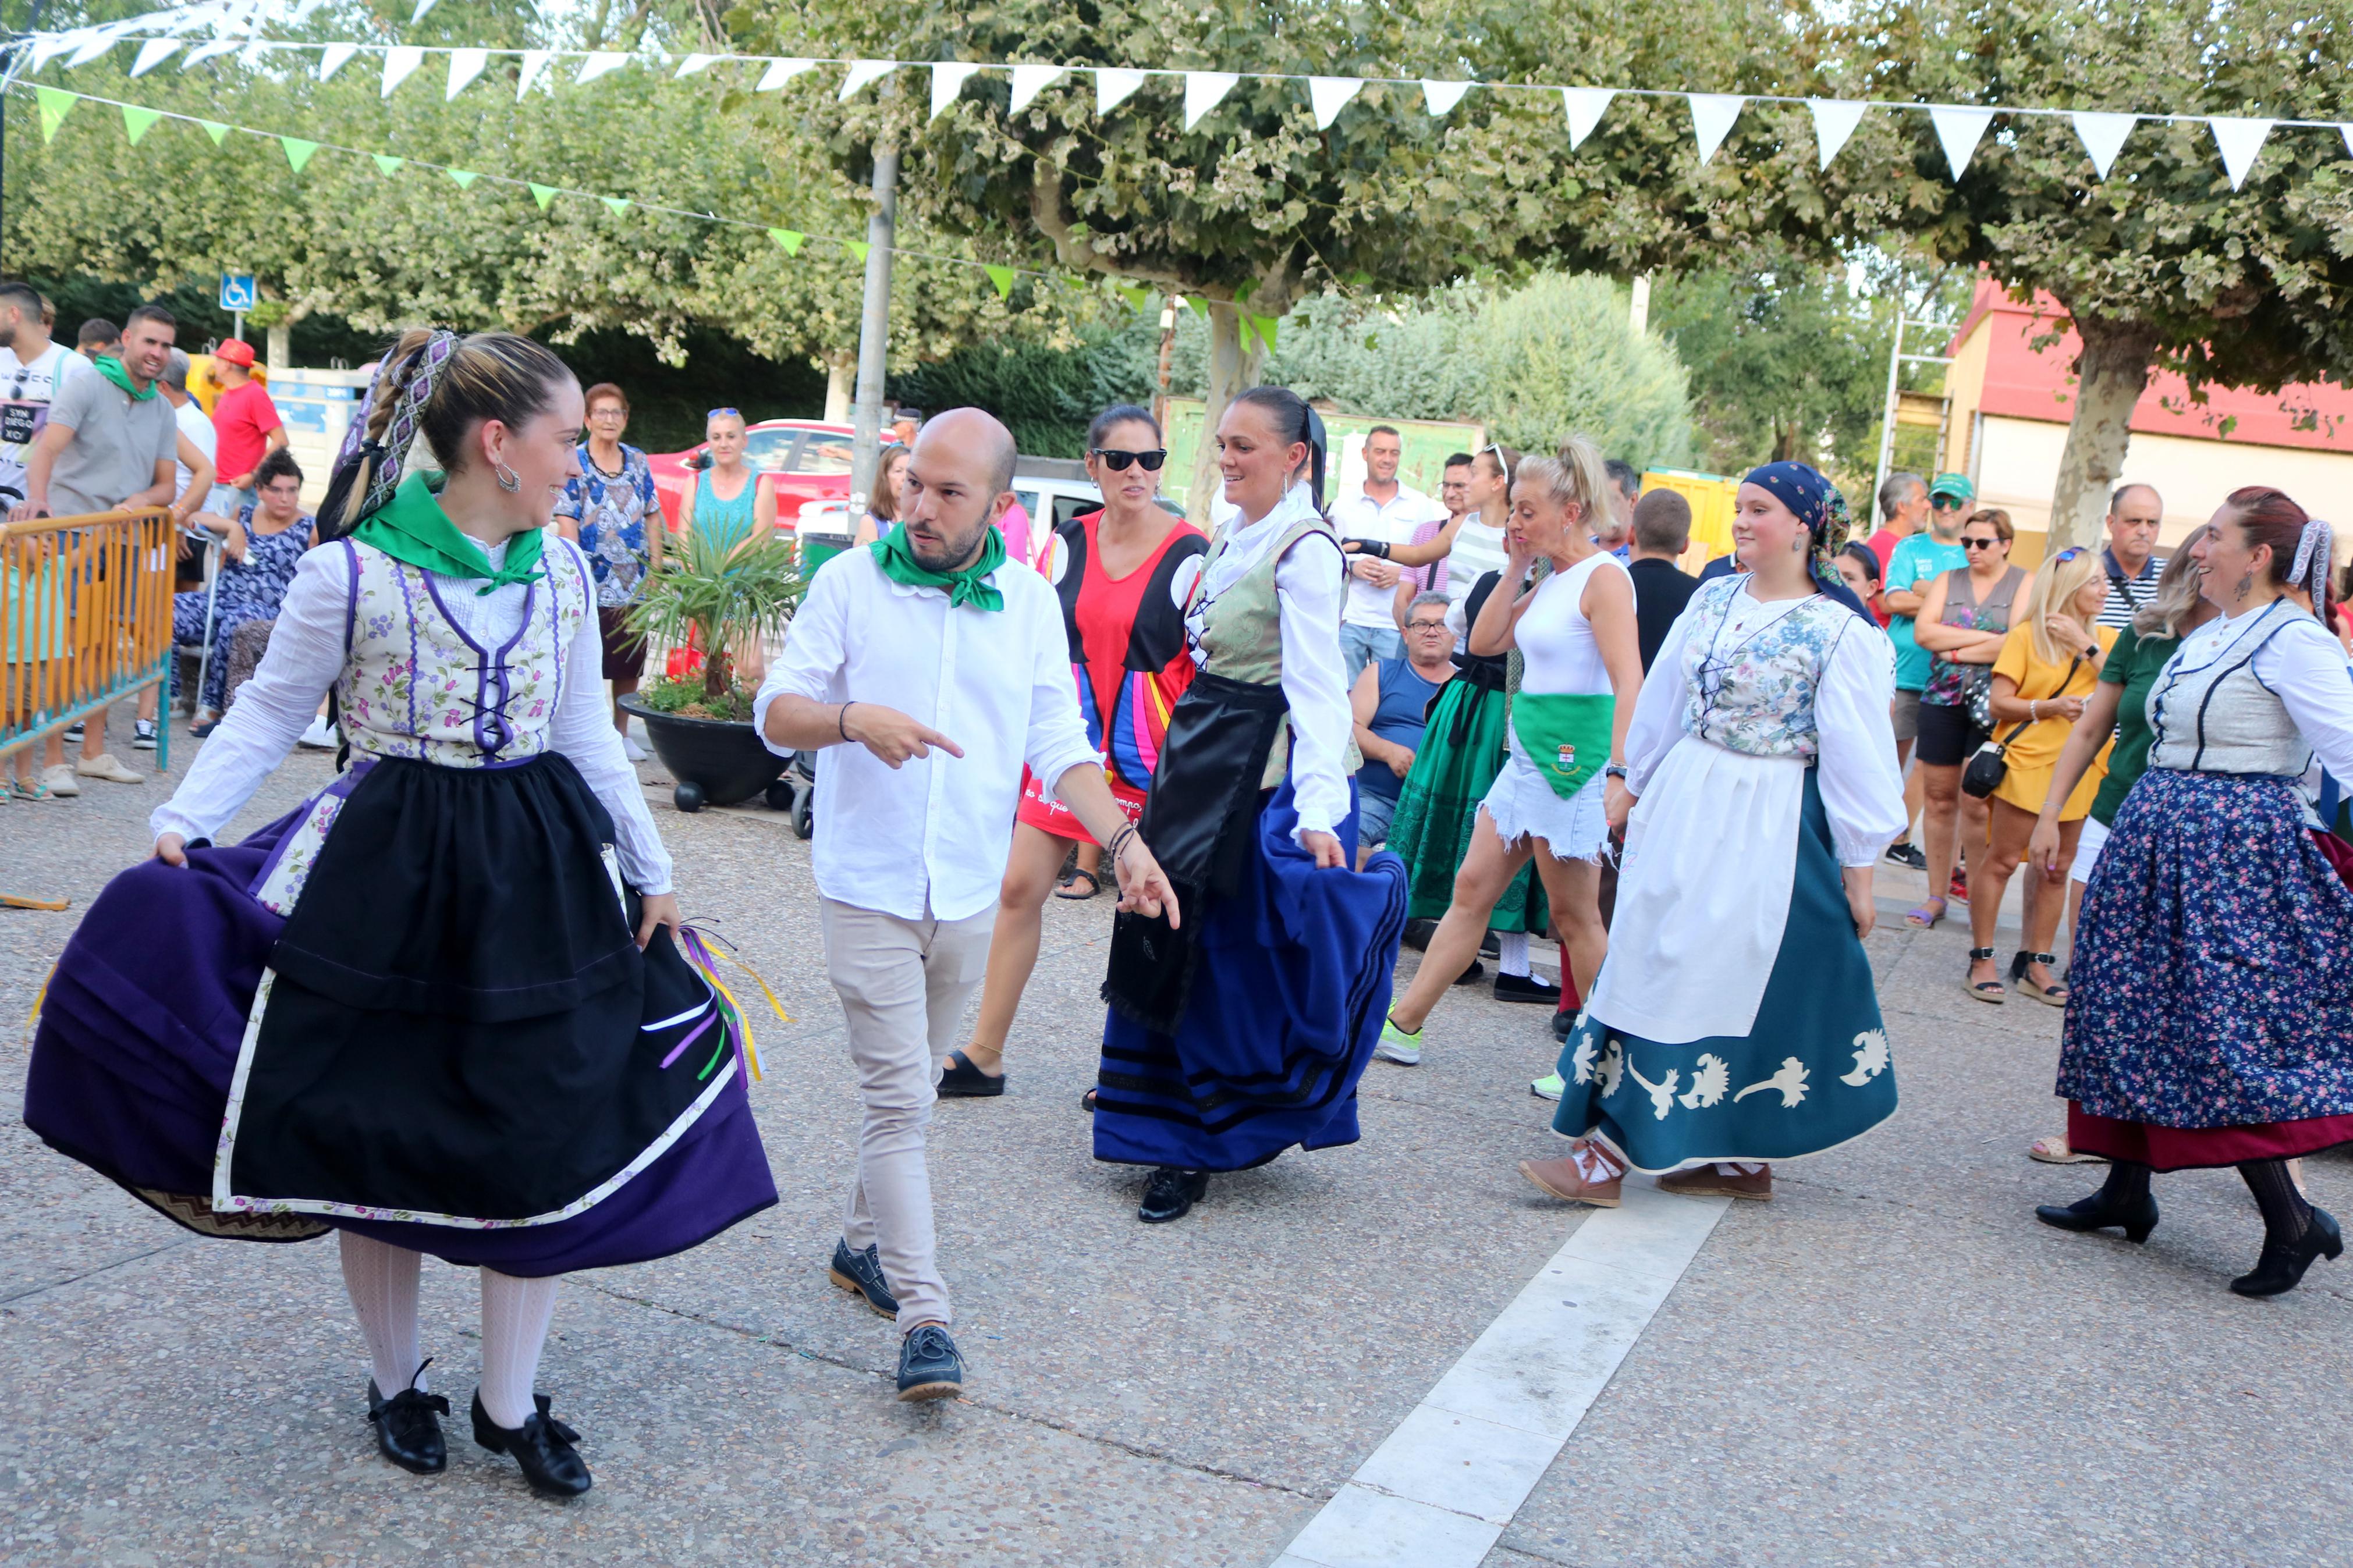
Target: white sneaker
(60,780)
(320,736)
(105,766)
(631,750)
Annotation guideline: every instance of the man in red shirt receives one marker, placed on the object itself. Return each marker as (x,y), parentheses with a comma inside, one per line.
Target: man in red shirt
(1902,512)
(245,419)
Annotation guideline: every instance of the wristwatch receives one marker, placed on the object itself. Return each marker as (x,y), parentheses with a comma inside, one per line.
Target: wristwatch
(1614,771)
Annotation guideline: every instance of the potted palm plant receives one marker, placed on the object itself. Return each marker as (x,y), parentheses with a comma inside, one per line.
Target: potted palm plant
(707,598)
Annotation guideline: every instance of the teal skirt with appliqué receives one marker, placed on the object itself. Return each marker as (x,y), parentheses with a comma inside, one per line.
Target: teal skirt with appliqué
(1812,1074)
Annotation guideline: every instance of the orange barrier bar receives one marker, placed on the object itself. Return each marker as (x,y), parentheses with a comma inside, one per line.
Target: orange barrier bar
(85,619)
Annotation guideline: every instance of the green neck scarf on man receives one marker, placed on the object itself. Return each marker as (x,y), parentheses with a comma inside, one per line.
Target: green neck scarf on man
(413,529)
(969,586)
(111,368)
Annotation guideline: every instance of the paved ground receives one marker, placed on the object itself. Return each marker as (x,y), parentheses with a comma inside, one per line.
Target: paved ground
(1891,1362)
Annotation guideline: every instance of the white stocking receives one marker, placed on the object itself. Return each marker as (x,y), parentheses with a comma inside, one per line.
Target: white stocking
(1594,1163)
(382,1281)
(1512,952)
(515,1314)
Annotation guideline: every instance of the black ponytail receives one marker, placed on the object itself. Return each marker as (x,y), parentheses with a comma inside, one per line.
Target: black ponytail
(1298,422)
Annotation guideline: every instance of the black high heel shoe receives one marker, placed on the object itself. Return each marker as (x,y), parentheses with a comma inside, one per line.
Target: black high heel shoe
(2094,1214)
(406,1430)
(542,1445)
(2282,1267)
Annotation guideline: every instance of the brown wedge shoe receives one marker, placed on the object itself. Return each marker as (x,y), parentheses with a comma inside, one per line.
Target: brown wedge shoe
(1564,1179)
(1716,1181)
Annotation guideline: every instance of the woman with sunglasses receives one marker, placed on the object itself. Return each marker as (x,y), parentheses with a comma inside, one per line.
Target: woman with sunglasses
(1964,619)
(2214,1022)
(1242,1032)
(2048,668)
(1114,568)
(729,508)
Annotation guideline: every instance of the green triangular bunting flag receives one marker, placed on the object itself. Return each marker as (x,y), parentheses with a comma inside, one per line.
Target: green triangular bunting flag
(618,205)
(465,177)
(137,121)
(789,239)
(1135,297)
(542,194)
(386,164)
(56,104)
(215,130)
(1003,278)
(858,248)
(1264,326)
(1200,306)
(297,151)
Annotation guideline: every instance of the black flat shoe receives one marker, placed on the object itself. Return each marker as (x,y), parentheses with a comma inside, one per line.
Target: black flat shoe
(1472,974)
(1564,1024)
(958,1076)
(1525,988)
(1416,935)
(407,1428)
(1171,1194)
(542,1445)
(860,1274)
(2091,1213)
(2281,1267)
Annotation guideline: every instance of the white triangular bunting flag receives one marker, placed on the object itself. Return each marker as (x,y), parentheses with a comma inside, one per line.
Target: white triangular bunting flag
(2346,132)
(1115,85)
(1958,127)
(1834,121)
(334,57)
(863,73)
(2240,141)
(48,47)
(465,65)
(209,51)
(694,64)
(1712,117)
(2102,136)
(1584,106)
(1440,97)
(399,62)
(948,78)
(422,7)
(1203,90)
(1028,81)
(780,72)
(250,56)
(153,53)
(600,63)
(1328,95)
(91,47)
(534,66)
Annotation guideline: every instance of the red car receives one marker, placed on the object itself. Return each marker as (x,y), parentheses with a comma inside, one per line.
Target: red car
(802,461)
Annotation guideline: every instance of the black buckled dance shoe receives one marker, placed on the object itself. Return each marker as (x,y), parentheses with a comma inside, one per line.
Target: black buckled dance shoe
(2281,1267)
(1171,1194)
(2095,1213)
(408,1426)
(542,1445)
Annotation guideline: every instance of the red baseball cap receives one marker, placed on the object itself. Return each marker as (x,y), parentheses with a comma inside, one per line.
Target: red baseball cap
(236,351)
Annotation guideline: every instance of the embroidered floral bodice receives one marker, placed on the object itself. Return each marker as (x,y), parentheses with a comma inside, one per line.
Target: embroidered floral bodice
(417,683)
(1752,668)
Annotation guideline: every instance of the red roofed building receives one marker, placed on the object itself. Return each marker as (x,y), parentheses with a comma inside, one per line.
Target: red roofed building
(2010,401)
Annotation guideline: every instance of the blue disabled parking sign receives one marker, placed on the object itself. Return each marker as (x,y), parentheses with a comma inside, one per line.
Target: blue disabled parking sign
(237,291)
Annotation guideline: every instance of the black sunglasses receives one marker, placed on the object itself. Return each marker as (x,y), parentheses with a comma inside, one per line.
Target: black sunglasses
(1979,543)
(1117,461)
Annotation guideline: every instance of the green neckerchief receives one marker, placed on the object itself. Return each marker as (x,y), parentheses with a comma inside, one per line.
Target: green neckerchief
(111,368)
(969,586)
(412,527)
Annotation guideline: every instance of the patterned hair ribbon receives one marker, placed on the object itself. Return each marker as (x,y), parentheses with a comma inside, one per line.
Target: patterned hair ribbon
(2313,551)
(413,384)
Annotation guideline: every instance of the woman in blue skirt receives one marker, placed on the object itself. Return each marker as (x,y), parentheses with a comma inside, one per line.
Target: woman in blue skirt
(435,1009)
(2212,1016)
(1243,1031)
(1734,1021)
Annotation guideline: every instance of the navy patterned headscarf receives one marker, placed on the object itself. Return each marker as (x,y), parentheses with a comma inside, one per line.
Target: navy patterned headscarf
(1817,503)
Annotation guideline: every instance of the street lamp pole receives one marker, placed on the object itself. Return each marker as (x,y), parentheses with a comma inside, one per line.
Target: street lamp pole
(874,330)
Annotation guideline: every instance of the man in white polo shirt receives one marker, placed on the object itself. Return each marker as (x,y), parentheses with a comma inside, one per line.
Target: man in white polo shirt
(935,669)
(1383,513)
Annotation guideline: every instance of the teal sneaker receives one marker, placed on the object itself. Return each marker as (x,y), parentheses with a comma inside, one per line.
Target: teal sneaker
(1398,1047)
(1548,1087)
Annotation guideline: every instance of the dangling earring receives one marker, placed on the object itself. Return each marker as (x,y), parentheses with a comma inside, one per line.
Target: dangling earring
(509,480)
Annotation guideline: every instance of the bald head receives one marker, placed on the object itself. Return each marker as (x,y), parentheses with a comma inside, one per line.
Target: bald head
(959,483)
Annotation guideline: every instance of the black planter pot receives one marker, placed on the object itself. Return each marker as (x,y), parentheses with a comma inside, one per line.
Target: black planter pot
(716,761)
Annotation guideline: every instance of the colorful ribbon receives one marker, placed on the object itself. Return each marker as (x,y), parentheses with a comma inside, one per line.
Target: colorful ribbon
(699,953)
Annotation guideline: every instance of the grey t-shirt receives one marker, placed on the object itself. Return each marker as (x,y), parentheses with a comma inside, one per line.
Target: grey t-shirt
(117,444)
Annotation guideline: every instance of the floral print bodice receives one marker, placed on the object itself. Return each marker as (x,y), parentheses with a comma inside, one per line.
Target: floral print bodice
(1752,668)
(252,589)
(416,684)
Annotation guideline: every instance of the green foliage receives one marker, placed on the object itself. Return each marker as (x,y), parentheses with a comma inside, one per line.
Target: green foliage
(716,593)
(688,700)
(1046,395)
(1560,356)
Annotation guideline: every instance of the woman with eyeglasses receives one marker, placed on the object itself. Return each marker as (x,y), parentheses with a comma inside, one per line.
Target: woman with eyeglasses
(1114,570)
(2212,1019)
(605,509)
(729,507)
(1735,1023)
(1963,622)
(1242,1032)
(2048,670)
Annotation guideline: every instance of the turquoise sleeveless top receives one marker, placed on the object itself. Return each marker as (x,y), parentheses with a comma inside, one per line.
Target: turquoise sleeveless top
(725,523)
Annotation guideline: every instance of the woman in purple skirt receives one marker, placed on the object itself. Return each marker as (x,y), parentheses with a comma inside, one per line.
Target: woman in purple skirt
(433,1009)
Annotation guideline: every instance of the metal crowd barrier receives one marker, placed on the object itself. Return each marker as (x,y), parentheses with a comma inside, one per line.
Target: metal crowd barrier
(85,620)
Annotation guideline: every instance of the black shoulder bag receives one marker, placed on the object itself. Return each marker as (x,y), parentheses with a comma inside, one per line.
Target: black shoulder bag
(1992,761)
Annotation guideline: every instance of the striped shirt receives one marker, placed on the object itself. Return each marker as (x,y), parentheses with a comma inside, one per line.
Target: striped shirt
(2127,594)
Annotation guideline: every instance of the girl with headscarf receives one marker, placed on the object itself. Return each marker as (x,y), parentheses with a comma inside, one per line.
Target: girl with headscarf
(437,1007)
(1734,1021)
(1243,1031)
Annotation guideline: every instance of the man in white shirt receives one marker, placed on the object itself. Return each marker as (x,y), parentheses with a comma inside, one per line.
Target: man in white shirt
(935,670)
(1383,513)
(33,369)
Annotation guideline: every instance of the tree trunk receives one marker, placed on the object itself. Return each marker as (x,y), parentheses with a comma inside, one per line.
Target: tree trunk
(2111,374)
(281,348)
(840,384)
(1233,368)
